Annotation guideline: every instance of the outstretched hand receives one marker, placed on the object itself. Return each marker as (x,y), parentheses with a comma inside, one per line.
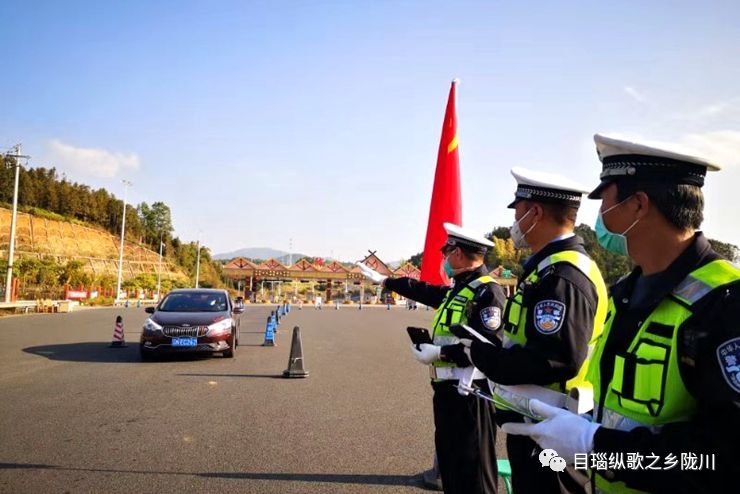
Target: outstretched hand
(371,274)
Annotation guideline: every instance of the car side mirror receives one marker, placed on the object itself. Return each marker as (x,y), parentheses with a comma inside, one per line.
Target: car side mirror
(149,310)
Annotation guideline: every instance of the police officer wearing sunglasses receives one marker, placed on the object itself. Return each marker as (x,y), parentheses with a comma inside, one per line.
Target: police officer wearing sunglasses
(465,433)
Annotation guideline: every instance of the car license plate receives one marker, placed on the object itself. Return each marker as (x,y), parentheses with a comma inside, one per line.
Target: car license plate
(184,341)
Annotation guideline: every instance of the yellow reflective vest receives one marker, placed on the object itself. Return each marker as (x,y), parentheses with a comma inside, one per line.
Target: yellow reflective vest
(515,318)
(453,310)
(646,388)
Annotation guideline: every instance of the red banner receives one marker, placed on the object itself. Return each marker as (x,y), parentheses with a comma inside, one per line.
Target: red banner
(446,205)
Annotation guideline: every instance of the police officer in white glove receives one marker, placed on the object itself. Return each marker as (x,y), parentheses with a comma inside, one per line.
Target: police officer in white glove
(465,433)
(666,371)
(550,322)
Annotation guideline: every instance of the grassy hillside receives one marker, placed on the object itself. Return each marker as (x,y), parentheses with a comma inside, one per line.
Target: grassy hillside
(95,248)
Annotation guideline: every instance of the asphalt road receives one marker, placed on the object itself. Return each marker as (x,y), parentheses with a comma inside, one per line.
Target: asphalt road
(77,416)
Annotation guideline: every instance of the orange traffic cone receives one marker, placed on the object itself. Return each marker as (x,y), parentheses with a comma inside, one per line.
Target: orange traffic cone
(118,340)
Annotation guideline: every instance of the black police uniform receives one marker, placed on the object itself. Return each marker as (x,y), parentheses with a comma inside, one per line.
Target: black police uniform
(465,433)
(715,428)
(545,359)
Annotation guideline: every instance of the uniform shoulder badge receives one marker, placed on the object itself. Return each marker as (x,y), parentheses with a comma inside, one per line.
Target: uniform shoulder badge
(728,354)
(491,317)
(549,316)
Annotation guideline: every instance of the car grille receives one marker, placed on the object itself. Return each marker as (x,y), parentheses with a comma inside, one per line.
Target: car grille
(177,331)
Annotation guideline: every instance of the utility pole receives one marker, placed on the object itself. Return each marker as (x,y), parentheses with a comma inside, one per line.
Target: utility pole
(159,272)
(290,252)
(126,185)
(197,264)
(11,247)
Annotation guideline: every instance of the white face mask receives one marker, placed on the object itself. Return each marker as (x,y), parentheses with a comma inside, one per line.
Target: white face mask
(517,236)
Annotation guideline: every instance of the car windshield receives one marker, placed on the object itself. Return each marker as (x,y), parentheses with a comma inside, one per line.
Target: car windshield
(194,302)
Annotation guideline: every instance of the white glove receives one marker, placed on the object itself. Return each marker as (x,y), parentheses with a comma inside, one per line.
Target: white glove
(466,343)
(371,274)
(427,354)
(561,430)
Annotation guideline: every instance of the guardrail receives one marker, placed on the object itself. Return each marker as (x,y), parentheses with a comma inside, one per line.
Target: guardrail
(19,306)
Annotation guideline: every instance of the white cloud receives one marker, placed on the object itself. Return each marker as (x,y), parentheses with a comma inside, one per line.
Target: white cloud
(713,110)
(635,94)
(91,161)
(719,114)
(721,146)
(727,109)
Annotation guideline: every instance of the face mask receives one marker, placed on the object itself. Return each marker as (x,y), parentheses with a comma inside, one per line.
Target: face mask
(449,270)
(613,242)
(516,232)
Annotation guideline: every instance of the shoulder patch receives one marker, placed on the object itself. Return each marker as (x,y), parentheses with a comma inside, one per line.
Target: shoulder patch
(728,354)
(549,316)
(491,317)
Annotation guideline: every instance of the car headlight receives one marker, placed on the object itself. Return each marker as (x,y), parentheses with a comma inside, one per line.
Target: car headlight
(150,326)
(222,326)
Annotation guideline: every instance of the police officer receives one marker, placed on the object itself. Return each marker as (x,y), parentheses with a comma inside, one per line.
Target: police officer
(465,434)
(550,323)
(665,372)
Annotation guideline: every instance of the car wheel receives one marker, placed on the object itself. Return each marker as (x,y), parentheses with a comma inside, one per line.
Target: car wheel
(230,352)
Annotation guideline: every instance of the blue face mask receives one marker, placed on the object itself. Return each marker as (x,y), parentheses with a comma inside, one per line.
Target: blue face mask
(613,242)
(449,270)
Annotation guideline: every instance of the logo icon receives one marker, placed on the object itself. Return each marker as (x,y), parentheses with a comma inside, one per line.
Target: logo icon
(491,317)
(550,458)
(557,464)
(549,316)
(728,354)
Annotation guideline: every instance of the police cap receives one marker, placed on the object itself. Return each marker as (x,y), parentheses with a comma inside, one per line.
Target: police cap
(640,163)
(458,236)
(546,187)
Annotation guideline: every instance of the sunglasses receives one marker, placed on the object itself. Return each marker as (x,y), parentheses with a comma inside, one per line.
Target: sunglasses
(447,248)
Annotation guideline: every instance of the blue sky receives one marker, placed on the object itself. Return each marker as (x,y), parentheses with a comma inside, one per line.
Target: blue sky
(261,122)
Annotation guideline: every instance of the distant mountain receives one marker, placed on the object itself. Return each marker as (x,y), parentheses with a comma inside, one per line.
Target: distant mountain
(263,253)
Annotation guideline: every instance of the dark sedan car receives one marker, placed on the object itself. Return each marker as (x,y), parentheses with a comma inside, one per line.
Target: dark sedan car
(192,320)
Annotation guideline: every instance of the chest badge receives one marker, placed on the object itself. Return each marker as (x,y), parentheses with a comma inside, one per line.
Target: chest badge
(549,316)
(728,354)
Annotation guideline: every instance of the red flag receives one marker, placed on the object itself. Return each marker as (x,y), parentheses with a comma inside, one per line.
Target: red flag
(446,203)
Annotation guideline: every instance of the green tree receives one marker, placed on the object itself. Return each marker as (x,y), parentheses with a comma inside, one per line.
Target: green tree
(145,217)
(726,250)
(27,269)
(505,254)
(73,273)
(48,272)
(500,232)
(161,220)
(108,281)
